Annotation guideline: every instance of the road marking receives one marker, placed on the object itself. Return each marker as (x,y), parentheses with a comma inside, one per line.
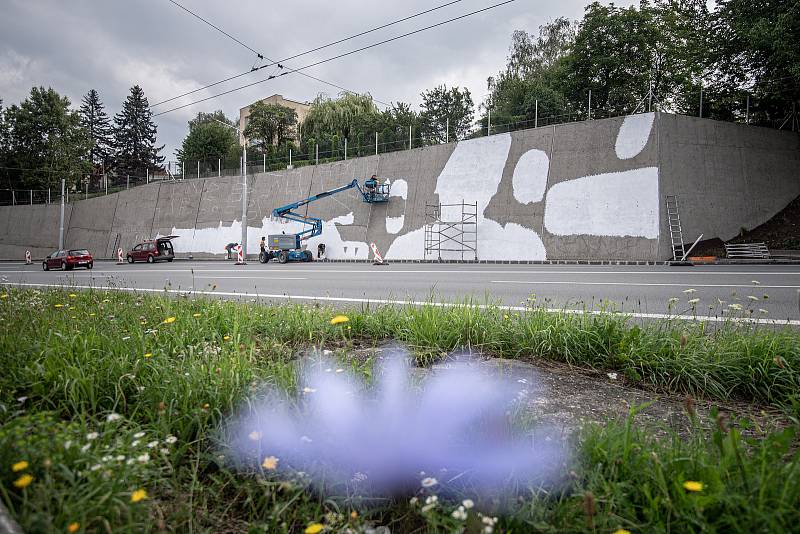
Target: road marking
(251,278)
(665,284)
(695,318)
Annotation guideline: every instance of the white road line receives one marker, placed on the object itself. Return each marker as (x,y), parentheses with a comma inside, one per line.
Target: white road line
(537,270)
(261,278)
(698,318)
(665,284)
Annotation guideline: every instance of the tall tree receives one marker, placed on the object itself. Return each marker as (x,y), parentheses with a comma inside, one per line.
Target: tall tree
(45,141)
(441,106)
(208,140)
(269,125)
(344,116)
(135,136)
(98,125)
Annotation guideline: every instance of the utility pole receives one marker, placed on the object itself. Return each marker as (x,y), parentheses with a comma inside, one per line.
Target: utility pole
(376,143)
(219,167)
(590,104)
(316,162)
(489,123)
(61,220)
(701,99)
(345,149)
(447,131)
(747,116)
(409,137)
(536,116)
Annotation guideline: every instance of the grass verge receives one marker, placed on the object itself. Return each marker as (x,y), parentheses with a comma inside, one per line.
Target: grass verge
(113,401)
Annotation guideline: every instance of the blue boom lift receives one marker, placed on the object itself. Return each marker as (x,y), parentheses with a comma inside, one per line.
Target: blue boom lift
(287,247)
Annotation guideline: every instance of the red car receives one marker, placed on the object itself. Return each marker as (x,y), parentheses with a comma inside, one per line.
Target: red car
(66,260)
(153,250)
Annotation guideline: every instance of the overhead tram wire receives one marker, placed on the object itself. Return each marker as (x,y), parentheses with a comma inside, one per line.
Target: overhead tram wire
(339,56)
(254,69)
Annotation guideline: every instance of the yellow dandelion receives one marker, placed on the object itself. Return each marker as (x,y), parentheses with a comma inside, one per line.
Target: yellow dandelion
(73,527)
(505,317)
(169,320)
(138,495)
(206,406)
(691,485)
(339,319)
(58,305)
(622,531)
(270,462)
(4,296)
(353,515)
(91,315)
(148,355)
(314,528)
(23,481)
(226,338)
(196,314)
(72,295)
(19,466)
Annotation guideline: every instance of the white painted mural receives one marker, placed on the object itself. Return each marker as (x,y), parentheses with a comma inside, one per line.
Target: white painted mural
(633,135)
(530,176)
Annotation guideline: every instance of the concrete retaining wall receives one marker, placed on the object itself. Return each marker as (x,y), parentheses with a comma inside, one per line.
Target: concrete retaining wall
(590,191)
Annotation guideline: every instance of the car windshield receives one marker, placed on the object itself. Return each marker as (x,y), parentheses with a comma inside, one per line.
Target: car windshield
(79,252)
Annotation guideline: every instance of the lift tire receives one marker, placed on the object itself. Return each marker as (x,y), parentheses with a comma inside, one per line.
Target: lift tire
(283,256)
(308,256)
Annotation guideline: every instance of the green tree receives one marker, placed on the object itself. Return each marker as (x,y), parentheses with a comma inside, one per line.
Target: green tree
(440,105)
(45,141)
(270,125)
(135,136)
(344,116)
(98,126)
(208,140)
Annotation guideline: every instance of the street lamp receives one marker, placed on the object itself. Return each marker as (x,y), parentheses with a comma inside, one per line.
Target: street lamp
(244,188)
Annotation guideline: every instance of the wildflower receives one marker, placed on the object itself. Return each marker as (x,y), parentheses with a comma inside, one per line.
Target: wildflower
(92,435)
(106,458)
(148,355)
(313,528)
(689,291)
(459,514)
(58,306)
(254,435)
(691,485)
(72,528)
(23,481)
(86,447)
(67,444)
(138,495)
(612,376)
(353,515)
(4,296)
(21,399)
(113,417)
(413,501)
(120,458)
(139,435)
(693,301)
(196,314)
(429,482)
(95,467)
(270,462)
(135,443)
(143,459)
(130,461)
(226,338)
(19,466)
(169,320)
(505,317)
(339,319)
(163,450)
(206,406)
(425,509)
(152,444)
(72,295)
(753,298)
(340,370)
(171,439)
(622,531)
(432,499)
(92,315)
(735,306)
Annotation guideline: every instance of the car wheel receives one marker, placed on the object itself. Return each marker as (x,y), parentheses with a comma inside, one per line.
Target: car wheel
(90,265)
(283,256)
(63,266)
(130,259)
(150,259)
(169,260)
(44,266)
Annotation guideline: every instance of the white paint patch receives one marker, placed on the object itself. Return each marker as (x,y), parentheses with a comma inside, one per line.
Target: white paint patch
(395,224)
(530,176)
(472,174)
(633,135)
(399,189)
(615,204)
(213,240)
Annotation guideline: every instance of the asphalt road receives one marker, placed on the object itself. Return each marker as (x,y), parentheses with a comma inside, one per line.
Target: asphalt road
(644,291)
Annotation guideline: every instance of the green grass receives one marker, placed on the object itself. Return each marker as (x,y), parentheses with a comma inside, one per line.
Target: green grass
(77,359)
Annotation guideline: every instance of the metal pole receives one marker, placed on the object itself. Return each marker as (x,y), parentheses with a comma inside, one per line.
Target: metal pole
(489,123)
(447,131)
(105,182)
(86,189)
(701,99)
(244,203)
(13,198)
(536,116)
(590,104)
(31,192)
(61,220)
(147,175)
(409,137)
(747,116)
(650,97)
(316,162)
(290,157)
(219,166)
(183,170)
(198,168)
(376,143)
(127,181)
(345,149)
(48,195)
(265,163)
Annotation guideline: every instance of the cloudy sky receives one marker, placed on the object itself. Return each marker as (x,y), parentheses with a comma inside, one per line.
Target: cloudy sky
(110,45)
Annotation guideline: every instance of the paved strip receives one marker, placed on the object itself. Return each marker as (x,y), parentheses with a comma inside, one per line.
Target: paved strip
(629,284)
(371,301)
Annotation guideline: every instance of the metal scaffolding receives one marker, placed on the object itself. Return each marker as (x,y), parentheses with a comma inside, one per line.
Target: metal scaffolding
(451,228)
